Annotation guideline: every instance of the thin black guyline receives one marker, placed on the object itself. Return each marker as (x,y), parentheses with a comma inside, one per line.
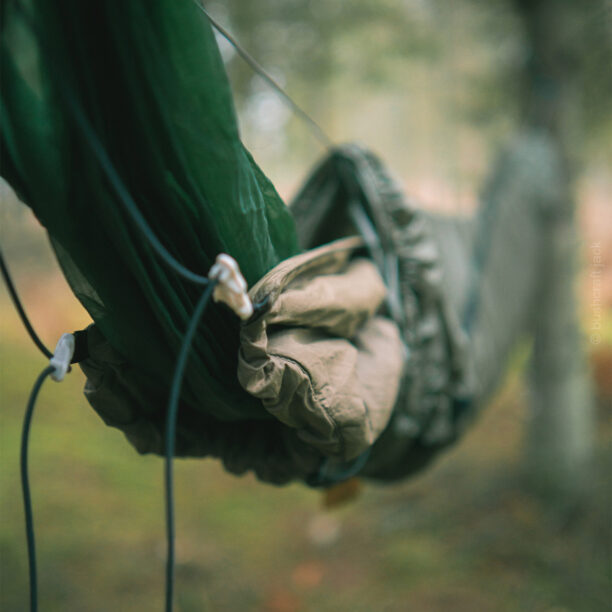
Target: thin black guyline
(25,486)
(8,281)
(315,128)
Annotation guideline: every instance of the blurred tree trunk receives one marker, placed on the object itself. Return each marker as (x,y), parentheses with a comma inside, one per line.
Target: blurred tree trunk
(561,433)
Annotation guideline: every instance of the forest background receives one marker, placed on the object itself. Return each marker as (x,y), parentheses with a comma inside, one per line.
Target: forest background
(435,88)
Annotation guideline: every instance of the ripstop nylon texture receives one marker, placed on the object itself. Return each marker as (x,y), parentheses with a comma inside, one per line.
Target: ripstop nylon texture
(151,83)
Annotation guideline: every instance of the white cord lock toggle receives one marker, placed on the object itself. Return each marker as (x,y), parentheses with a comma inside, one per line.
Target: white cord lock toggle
(232,288)
(62,357)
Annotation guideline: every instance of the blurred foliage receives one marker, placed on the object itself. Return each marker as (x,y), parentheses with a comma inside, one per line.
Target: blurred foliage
(570,44)
(455,75)
(313,42)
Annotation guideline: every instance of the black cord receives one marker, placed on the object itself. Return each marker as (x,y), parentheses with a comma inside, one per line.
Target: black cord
(315,128)
(171,416)
(22,314)
(124,195)
(25,486)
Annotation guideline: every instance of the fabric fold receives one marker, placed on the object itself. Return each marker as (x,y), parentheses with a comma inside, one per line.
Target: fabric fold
(318,357)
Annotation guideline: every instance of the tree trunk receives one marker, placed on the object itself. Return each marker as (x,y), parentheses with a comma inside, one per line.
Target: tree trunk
(560,437)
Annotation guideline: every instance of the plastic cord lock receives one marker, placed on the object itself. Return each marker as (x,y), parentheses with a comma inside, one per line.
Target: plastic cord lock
(232,287)
(62,357)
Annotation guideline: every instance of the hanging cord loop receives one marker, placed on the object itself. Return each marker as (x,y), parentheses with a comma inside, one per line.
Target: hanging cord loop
(226,284)
(59,365)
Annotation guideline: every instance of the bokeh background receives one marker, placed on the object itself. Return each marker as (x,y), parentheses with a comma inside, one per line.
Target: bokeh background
(436,88)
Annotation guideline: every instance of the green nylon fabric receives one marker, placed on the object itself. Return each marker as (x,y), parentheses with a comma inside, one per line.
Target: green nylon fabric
(149,79)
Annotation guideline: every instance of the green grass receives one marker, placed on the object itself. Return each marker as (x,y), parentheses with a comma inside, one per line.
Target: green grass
(466,536)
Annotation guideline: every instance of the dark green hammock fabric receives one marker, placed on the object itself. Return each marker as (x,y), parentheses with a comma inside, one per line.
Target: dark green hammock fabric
(150,83)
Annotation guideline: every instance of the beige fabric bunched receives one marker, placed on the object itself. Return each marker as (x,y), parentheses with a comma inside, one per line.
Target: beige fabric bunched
(318,357)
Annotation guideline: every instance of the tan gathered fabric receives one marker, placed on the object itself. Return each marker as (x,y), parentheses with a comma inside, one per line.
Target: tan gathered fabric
(319,357)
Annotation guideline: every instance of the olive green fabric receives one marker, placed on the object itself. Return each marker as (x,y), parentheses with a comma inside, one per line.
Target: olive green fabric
(149,81)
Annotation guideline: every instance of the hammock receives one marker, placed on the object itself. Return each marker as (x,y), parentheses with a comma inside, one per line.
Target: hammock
(127,102)
(117,122)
